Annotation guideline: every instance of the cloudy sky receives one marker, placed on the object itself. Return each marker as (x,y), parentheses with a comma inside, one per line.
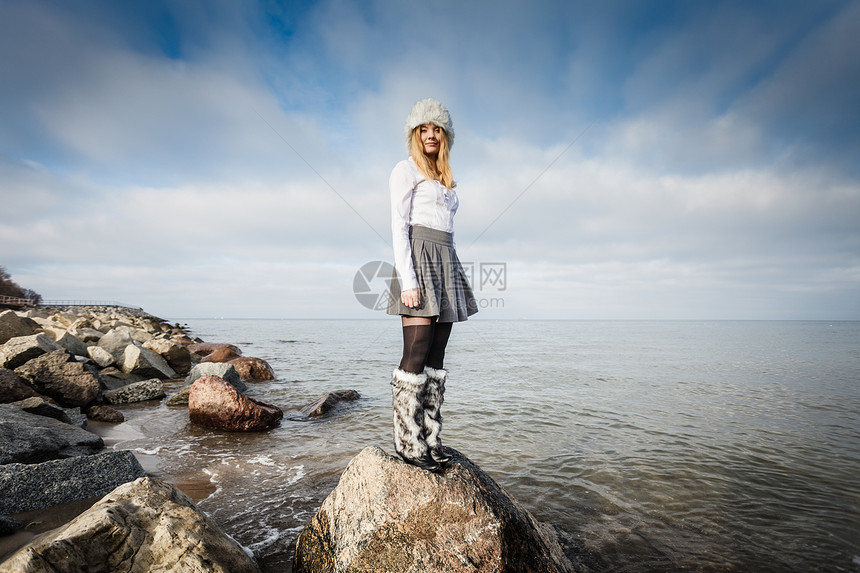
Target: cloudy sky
(667,160)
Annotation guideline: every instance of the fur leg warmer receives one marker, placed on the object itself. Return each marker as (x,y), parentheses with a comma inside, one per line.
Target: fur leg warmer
(431,400)
(409,417)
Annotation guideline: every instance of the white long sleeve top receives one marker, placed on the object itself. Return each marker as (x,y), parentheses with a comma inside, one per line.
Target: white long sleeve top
(415,200)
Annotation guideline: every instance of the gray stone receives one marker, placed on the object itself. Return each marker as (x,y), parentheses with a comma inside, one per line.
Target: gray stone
(72,344)
(41,407)
(138,334)
(58,376)
(145,362)
(328,401)
(13,388)
(105,414)
(145,525)
(220,369)
(387,515)
(87,334)
(29,439)
(115,342)
(13,326)
(152,389)
(26,487)
(180,397)
(100,356)
(19,350)
(176,355)
(9,525)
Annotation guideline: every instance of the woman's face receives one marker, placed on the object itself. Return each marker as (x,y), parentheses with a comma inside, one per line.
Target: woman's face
(431,137)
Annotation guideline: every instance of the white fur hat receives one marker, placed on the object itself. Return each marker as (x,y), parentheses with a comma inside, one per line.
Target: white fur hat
(429,111)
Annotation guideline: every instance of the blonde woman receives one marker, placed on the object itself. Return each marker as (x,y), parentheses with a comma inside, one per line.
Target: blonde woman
(429,289)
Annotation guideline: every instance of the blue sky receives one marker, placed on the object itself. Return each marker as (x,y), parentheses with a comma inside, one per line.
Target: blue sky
(665,160)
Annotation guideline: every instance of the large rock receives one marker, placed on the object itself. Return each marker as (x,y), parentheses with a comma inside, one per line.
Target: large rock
(145,525)
(25,487)
(100,356)
(87,334)
(328,401)
(138,334)
(115,342)
(386,515)
(30,439)
(145,362)
(13,388)
(176,355)
(226,372)
(220,355)
(73,344)
(252,369)
(202,349)
(152,389)
(13,326)
(41,407)
(21,349)
(58,376)
(213,403)
(105,414)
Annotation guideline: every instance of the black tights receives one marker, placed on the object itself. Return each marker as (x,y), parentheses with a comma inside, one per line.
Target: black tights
(424,345)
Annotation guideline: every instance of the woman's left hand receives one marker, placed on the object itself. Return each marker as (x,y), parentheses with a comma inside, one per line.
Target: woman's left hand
(411,297)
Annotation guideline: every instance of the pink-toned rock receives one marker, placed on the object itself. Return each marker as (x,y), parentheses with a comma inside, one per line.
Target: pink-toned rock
(202,349)
(252,369)
(216,404)
(220,355)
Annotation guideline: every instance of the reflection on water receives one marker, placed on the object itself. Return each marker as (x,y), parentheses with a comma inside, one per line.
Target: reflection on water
(659,445)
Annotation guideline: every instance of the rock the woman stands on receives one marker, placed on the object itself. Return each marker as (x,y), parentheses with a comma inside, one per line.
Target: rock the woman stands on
(429,288)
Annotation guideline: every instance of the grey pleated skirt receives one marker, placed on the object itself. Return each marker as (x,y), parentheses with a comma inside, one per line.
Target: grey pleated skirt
(445,292)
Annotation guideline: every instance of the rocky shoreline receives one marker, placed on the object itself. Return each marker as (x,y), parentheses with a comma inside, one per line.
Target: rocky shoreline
(62,368)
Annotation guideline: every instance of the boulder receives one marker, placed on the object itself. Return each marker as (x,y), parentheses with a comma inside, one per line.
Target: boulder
(58,376)
(9,525)
(180,397)
(19,350)
(26,487)
(72,344)
(220,355)
(213,403)
(386,515)
(145,525)
(87,334)
(145,362)
(176,355)
(152,389)
(13,388)
(14,326)
(42,407)
(224,371)
(29,439)
(115,341)
(105,414)
(138,334)
(100,356)
(202,349)
(252,369)
(328,401)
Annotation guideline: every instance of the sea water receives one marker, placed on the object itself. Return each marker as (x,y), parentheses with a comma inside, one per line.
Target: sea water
(656,446)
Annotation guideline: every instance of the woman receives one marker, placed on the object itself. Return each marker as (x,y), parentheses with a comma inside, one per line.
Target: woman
(429,288)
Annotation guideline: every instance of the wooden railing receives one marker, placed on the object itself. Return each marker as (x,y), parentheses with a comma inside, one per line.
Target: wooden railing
(15,301)
(87,303)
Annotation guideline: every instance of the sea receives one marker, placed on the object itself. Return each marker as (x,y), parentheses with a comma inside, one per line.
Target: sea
(653,445)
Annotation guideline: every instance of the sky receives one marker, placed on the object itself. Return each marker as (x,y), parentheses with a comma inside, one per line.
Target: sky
(614,160)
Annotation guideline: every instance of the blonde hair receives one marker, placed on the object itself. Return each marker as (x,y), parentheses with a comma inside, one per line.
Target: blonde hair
(439,169)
